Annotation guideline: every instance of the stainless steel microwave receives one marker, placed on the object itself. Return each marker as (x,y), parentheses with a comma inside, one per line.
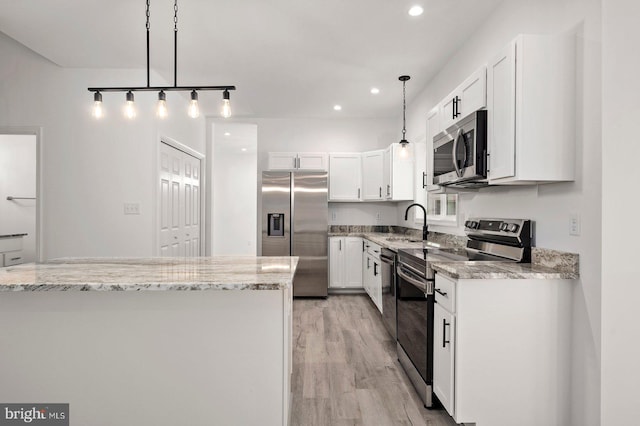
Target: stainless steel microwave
(460,153)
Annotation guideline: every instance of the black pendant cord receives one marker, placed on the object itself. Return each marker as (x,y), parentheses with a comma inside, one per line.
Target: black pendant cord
(148,27)
(404,109)
(175,43)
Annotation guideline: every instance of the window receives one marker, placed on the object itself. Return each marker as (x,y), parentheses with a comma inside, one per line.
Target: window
(442,209)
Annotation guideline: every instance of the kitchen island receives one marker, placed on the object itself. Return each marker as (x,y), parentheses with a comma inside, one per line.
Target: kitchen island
(157,341)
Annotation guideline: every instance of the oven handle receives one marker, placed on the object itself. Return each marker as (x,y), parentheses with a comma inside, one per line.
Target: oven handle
(413,281)
(455,153)
(387,260)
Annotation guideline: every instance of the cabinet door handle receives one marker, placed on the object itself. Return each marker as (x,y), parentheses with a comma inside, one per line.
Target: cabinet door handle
(444,329)
(368,265)
(388,190)
(424,180)
(440,292)
(458,106)
(340,245)
(453,108)
(375,269)
(362,245)
(358,193)
(380,192)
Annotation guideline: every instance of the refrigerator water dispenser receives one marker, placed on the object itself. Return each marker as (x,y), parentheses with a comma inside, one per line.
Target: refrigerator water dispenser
(276,224)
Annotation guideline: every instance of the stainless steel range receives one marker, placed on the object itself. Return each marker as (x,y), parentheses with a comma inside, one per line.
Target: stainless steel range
(488,240)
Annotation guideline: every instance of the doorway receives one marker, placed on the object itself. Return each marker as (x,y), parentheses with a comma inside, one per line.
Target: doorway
(20,194)
(179,200)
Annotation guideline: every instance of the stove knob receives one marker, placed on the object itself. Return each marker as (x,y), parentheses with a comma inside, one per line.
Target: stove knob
(513,227)
(474,224)
(468,224)
(504,226)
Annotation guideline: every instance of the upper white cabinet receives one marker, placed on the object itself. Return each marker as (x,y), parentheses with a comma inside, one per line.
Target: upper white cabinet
(373,175)
(468,97)
(298,161)
(434,126)
(531,111)
(345,176)
(398,164)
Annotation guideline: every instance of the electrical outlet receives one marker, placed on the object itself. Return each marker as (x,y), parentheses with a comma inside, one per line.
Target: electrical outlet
(574,224)
(131,208)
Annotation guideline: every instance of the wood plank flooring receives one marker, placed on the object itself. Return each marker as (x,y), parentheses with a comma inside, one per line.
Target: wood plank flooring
(345,368)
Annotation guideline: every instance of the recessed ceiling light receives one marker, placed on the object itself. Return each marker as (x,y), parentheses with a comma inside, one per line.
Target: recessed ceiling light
(244,149)
(337,107)
(375,90)
(416,10)
(227,134)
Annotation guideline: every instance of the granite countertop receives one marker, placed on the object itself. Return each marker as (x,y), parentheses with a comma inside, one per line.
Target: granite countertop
(140,274)
(545,263)
(502,270)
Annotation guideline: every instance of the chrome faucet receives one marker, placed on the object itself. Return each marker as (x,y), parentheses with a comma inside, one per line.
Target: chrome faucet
(425,231)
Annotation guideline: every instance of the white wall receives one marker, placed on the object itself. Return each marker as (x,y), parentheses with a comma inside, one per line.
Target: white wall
(549,205)
(620,177)
(89,167)
(18,179)
(234,206)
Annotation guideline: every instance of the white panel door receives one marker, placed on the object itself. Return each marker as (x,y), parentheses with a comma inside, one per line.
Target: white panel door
(372,175)
(312,160)
(353,262)
(501,105)
(443,357)
(283,160)
(336,262)
(179,203)
(473,93)
(345,176)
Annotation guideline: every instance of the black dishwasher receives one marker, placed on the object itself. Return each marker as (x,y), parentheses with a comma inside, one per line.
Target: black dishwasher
(388,272)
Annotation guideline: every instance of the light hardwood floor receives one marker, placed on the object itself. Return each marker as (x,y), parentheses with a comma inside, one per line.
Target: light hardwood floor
(345,368)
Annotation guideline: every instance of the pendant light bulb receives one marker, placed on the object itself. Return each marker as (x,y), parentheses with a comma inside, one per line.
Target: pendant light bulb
(226,106)
(97,111)
(194,109)
(130,107)
(161,110)
(404,142)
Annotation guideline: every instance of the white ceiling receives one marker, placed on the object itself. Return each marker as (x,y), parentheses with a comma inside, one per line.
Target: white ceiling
(288,58)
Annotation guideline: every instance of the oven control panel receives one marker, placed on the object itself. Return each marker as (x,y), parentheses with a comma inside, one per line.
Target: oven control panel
(515,232)
(508,226)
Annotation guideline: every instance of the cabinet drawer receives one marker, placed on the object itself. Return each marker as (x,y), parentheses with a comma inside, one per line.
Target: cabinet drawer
(373,250)
(13,258)
(445,292)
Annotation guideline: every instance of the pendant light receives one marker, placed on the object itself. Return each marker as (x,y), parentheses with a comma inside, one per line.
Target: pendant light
(404,142)
(161,110)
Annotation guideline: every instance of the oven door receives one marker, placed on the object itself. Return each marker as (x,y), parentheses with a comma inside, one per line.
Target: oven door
(415,320)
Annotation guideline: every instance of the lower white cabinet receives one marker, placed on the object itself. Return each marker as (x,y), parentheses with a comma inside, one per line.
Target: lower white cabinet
(372,280)
(502,350)
(345,262)
(443,355)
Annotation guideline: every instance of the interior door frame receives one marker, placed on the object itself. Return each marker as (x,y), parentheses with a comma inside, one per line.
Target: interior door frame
(162,139)
(36,131)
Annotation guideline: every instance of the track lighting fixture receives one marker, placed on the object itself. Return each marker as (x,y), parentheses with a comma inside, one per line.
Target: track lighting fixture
(226,108)
(194,109)
(162,111)
(130,107)
(97,111)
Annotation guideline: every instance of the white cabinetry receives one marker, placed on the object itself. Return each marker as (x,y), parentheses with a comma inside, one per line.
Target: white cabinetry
(468,97)
(502,350)
(345,262)
(434,126)
(298,161)
(371,274)
(531,111)
(345,176)
(397,173)
(372,175)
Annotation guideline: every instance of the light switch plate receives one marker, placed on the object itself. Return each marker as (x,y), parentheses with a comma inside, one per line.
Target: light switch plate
(574,224)
(131,208)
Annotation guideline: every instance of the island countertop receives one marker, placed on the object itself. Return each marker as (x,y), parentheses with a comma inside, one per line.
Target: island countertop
(144,274)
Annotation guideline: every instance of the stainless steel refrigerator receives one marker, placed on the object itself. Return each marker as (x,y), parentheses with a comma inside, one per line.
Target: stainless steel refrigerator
(294,223)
